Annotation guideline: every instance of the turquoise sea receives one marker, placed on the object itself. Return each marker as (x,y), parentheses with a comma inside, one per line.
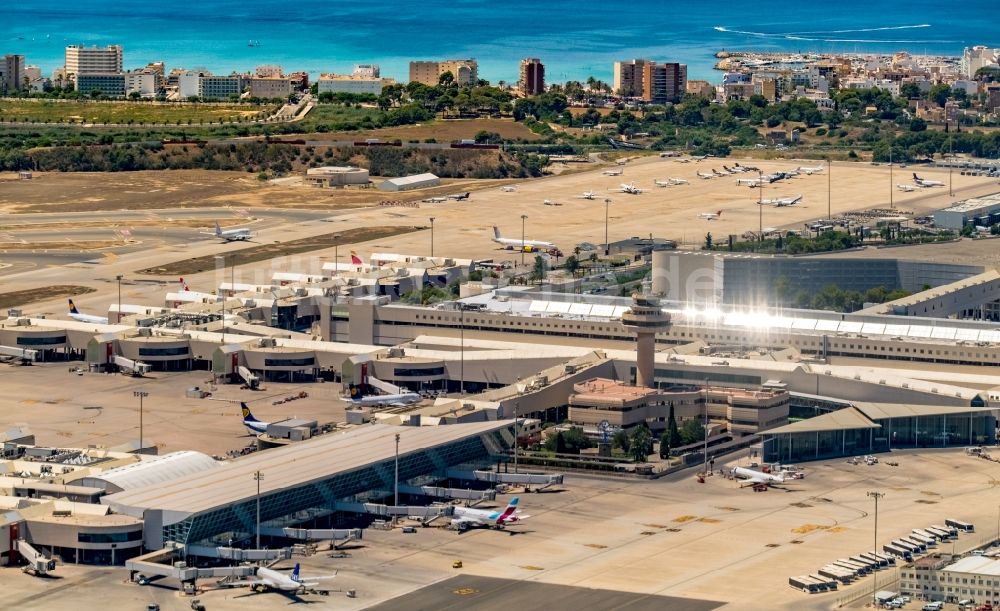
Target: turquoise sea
(574,39)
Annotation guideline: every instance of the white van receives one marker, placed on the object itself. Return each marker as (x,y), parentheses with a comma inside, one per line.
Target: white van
(934,606)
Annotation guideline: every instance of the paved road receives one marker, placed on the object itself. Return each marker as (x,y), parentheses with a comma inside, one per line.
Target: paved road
(473,593)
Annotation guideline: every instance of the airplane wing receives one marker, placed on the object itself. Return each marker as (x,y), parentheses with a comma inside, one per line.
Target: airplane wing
(245,583)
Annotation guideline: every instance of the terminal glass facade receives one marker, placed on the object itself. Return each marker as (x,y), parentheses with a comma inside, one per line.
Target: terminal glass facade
(932,431)
(287,507)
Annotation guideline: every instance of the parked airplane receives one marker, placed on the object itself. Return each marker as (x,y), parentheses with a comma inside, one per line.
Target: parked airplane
(467,517)
(782,201)
(254,425)
(460,196)
(516,244)
(629,188)
(587,195)
(508,189)
(923,182)
(706,175)
(752,477)
(907,188)
(718,173)
(749,182)
(745,168)
(88,318)
(358,397)
(270,579)
(617,172)
(549,202)
(699,157)
(435,200)
(809,171)
(230,235)
(710,216)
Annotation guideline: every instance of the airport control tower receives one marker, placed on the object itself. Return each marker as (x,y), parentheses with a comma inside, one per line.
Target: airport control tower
(645,319)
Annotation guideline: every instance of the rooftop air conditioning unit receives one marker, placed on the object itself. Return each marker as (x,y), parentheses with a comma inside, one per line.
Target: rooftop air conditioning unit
(267,342)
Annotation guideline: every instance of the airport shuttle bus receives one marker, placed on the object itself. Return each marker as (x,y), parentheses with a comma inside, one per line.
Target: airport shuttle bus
(923,535)
(939,532)
(960,525)
(873,565)
(836,572)
(806,584)
(951,530)
(880,562)
(887,558)
(825,582)
(918,546)
(898,551)
(859,569)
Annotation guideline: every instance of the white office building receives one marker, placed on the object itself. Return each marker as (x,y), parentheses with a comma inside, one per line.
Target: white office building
(349,83)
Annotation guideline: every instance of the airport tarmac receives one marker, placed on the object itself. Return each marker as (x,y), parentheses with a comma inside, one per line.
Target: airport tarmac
(463,229)
(712,542)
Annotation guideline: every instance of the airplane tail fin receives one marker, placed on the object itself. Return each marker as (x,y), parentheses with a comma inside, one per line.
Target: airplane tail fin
(496,233)
(72,308)
(218,230)
(295,573)
(718,213)
(915,177)
(509,510)
(247,416)
(355,260)
(357,391)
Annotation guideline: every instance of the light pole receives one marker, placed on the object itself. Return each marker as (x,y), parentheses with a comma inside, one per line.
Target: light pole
(951,158)
(875,495)
(118,316)
(891,205)
(461,350)
(829,187)
(523,218)
(336,253)
(516,431)
(760,205)
(141,394)
(222,259)
(432,236)
(257,476)
(395,483)
(607,248)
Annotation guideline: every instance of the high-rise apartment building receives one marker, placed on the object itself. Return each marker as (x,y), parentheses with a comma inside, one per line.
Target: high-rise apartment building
(464,71)
(974,58)
(628,78)
(12,73)
(93,60)
(653,82)
(662,83)
(532,76)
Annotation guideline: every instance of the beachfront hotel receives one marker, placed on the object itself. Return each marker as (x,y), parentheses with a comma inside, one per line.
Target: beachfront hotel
(93,60)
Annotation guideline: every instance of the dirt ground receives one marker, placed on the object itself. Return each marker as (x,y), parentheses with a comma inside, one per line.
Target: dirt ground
(153,190)
(8,300)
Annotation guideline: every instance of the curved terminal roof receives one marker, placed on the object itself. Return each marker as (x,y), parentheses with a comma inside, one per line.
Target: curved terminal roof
(152,471)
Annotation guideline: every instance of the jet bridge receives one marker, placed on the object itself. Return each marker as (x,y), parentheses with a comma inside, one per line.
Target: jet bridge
(136,369)
(416,511)
(542,480)
(252,381)
(38,562)
(160,563)
(450,493)
(338,535)
(27,355)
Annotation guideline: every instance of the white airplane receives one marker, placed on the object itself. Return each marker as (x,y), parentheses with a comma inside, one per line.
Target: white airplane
(460,196)
(923,182)
(508,189)
(230,235)
(752,477)
(358,397)
(270,579)
(710,216)
(467,517)
(435,200)
(88,318)
(549,202)
(718,173)
(617,172)
(587,195)
(516,244)
(699,157)
(254,425)
(670,182)
(749,182)
(629,188)
(782,201)
(907,188)
(706,175)
(809,171)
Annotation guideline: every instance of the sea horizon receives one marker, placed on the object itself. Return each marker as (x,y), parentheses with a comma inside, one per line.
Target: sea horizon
(578,40)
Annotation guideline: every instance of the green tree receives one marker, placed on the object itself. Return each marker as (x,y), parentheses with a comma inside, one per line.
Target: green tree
(708,241)
(641,443)
(620,440)
(538,272)
(572,264)
(447,79)
(692,431)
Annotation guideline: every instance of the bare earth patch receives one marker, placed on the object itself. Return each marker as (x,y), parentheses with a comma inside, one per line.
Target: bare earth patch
(16,298)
